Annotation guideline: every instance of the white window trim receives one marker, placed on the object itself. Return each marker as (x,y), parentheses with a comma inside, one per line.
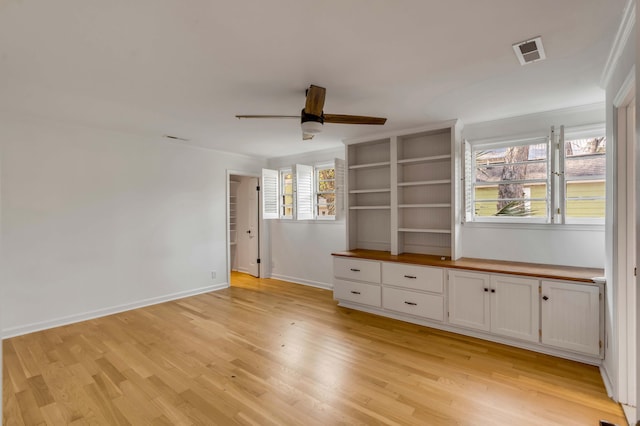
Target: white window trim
(296,217)
(556,185)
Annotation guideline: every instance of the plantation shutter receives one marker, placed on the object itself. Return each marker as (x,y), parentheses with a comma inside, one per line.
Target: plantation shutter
(269,194)
(304,192)
(467,214)
(339,166)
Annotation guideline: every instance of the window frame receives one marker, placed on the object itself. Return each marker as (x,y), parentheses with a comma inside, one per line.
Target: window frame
(556,180)
(506,143)
(316,185)
(305,186)
(282,172)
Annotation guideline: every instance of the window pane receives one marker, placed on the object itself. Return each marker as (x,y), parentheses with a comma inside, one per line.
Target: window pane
(326,185)
(326,205)
(527,201)
(584,172)
(585,158)
(585,199)
(286,194)
(511,181)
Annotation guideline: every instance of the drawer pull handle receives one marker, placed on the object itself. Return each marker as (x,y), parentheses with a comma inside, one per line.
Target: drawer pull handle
(355,292)
(413,277)
(545,298)
(411,303)
(355,269)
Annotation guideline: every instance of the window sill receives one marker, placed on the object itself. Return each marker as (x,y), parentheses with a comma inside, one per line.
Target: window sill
(537,226)
(310,222)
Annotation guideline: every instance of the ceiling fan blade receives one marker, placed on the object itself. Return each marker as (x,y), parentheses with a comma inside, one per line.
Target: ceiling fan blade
(315,100)
(268,116)
(307,136)
(353,119)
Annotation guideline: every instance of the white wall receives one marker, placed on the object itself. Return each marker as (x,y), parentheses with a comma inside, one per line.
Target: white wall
(301,251)
(96,221)
(551,244)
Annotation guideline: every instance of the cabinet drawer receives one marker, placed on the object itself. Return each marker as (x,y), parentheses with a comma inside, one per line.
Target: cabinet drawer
(414,277)
(354,269)
(409,302)
(366,294)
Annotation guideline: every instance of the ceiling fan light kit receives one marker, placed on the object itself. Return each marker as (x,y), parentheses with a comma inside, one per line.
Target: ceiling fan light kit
(313,117)
(311,127)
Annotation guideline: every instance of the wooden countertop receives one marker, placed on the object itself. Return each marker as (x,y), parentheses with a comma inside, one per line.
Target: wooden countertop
(567,273)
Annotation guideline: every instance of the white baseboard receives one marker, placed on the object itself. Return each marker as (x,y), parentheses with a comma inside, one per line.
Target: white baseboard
(608,385)
(70,319)
(295,280)
(630,413)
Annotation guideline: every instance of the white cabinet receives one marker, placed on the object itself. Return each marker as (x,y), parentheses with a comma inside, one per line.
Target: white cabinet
(468,300)
(357,281)
(404,191)
(571,316)
(558,317)
(515,307)
(504,305)
(424,305)
(414,290)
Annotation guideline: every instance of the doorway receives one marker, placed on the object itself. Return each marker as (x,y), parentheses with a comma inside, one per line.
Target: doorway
(243,237)
(627,252)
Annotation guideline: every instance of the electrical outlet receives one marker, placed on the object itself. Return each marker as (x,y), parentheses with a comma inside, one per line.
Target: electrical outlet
(213,275)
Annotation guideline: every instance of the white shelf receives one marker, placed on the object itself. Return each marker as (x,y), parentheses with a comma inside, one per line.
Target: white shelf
(370,208)
(425,182)
(369,191)
(430,231)
(436,205)
(370,165)
(424,159)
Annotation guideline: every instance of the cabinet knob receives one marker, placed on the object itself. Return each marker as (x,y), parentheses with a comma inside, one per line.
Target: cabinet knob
(486,289)
(545,298)
(493,290)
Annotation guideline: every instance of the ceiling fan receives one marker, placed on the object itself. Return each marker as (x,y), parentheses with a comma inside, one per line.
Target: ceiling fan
(312,117)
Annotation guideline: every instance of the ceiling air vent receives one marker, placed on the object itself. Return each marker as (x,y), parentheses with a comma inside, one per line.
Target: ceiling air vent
(529,51)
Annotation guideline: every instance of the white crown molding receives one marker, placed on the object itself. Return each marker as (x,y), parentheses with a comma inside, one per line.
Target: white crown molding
(622,37)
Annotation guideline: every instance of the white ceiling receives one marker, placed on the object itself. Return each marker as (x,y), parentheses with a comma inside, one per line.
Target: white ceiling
(186,67)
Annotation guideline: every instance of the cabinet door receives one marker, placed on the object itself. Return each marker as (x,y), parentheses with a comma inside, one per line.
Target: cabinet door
(515,307)
(469,300)
(571,316)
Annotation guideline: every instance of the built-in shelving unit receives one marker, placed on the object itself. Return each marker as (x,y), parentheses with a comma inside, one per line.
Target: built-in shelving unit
(403,192)
(233,220)
(369,177)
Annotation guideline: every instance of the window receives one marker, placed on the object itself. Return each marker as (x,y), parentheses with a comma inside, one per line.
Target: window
(302,192)
(536,181)
(286,194)
(325,192)
(584,178)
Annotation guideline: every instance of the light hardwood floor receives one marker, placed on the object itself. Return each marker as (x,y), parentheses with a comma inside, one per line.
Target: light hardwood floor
(269,352)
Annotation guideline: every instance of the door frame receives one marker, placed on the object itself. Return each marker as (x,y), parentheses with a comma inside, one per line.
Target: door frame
(261,229)
(625,246)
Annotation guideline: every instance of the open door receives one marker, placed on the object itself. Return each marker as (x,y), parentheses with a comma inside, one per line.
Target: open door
(252,229)
(244,229)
